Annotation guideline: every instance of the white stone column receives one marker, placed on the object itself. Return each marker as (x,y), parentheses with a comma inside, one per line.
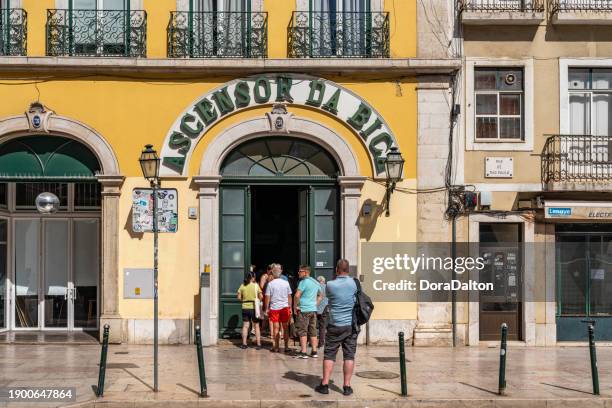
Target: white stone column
(109,282)
(209,255)
(350,194)
(434,104)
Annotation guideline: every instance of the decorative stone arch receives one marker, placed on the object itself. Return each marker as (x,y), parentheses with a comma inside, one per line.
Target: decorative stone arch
(350,182)
(55,125)
(41,122)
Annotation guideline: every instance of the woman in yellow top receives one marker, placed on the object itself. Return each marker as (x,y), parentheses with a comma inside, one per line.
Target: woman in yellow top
(248,292)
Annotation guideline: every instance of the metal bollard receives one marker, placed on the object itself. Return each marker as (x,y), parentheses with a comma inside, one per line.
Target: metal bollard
(203,388)
(402,357)
(104,352)
(594,373)
(502,359)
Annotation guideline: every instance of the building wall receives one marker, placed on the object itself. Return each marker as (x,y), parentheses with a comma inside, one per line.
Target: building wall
(134,107)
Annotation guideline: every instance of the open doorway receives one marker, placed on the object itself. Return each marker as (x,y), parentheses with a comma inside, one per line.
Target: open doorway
(275,229)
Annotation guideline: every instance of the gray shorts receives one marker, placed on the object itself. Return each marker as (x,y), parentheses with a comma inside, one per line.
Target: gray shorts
(306,324)
(337,336)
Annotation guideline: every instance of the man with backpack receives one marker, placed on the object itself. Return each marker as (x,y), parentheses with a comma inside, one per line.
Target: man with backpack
(346,313)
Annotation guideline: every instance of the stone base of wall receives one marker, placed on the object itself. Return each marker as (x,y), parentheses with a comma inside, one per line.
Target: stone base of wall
(385,332)
(433,336)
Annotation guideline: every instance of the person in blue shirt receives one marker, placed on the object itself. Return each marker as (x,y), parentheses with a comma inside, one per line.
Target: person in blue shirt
(322,312)
(307,298)
(341,297)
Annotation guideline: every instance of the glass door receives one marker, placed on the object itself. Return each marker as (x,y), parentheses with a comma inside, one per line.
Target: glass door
(235,255)
(85,272)
(100,27)
(27,273)
(56,273)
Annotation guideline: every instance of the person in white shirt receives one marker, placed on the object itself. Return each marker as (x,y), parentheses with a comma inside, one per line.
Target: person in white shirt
(277,304)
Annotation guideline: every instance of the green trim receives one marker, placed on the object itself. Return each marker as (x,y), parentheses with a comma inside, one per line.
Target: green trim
(44,157)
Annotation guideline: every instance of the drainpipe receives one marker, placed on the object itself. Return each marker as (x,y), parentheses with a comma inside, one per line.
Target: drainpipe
(454,276)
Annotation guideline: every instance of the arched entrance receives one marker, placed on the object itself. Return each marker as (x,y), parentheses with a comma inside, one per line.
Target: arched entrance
(49,264)
(278,203)
(347,183)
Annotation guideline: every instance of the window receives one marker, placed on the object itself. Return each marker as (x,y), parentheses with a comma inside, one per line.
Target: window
(590,101)
(499,113)
(3,195)
(26,193)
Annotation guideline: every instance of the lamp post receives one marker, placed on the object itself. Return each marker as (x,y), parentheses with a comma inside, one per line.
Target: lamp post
(149,163)
(394,165)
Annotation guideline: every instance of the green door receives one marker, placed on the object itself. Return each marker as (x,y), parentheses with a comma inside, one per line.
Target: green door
(324,237)
(235,255)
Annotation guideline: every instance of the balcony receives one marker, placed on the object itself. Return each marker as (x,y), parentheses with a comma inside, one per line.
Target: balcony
(501,12)
(577,163)
(218,35)
(577,12)
(96,33)
(13,32)
(338,35)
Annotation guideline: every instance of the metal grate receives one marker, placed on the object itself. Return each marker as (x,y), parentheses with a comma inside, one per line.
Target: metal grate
(87,196)
(577,158)
(13,32)
(218,34)
(500,5)
(342,34)
(111,33)
(26,193)
(580,5)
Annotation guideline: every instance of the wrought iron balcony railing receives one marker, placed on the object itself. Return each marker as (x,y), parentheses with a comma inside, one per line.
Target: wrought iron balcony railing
(341,34)
(577,159)
(501,5)
(13,32)
(579,5)
(218,34)
(108,33)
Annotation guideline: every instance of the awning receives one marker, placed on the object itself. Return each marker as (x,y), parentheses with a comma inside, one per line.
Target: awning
(578,210)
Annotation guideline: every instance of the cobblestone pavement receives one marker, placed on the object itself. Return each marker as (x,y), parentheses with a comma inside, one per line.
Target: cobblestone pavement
(466,375)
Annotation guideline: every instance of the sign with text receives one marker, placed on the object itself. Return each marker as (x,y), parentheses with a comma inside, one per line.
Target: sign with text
(499,167)
(290,89)
(142,210)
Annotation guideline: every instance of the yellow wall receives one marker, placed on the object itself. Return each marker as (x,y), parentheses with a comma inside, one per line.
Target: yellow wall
(133,109)
(402,19)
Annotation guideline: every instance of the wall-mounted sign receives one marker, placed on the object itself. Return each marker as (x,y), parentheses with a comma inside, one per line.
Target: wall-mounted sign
(499,167)
(291,89)
(142,210)
(579,210)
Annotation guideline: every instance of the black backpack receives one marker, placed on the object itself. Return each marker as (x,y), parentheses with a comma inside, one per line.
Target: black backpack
(363,307)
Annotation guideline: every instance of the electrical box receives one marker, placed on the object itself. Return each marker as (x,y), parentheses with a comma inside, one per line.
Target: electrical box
(137,283)
(486,199)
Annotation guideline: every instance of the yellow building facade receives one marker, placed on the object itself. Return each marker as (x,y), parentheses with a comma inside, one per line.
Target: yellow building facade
(250,105)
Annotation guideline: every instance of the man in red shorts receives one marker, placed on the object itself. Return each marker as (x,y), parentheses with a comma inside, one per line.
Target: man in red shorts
(276,303)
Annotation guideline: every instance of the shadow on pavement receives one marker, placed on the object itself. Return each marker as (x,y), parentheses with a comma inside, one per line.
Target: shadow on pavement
(566,388)
(309,380)
(478,388)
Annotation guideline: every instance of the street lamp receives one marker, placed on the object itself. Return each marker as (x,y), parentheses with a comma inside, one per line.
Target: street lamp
(149,163)
(394,165)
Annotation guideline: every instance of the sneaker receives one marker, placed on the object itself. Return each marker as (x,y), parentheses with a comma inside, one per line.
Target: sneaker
(258,347)
(244,346)
(347,390)
(322,389)
(301,355)
(288,351)
(314,353)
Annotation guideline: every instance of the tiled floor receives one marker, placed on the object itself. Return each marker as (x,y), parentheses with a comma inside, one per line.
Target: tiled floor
(234,374)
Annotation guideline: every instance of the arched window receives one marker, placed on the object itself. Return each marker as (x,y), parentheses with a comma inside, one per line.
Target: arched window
(272,157)
(41,157)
